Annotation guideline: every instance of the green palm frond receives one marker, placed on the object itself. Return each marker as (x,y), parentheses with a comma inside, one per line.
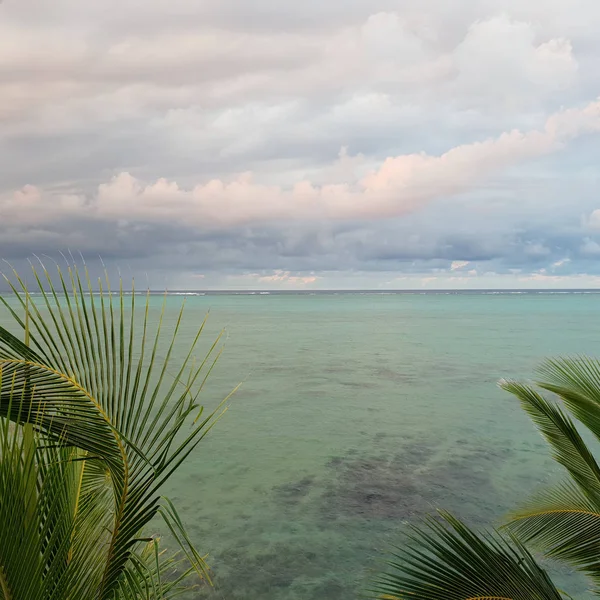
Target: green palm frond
(88,384)
(565,525)
(448,561)
(568,447)
(36,525)
(153,573)
(577,382)
(564,522)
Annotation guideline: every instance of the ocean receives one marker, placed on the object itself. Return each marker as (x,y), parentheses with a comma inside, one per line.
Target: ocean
(358,414)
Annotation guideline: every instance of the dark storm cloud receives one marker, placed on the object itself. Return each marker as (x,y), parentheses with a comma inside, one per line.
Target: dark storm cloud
(306,247)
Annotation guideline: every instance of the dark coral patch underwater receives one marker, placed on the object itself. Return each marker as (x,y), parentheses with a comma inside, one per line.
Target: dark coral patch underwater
(299,551)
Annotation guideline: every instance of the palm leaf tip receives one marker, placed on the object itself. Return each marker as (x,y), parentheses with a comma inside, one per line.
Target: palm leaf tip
(576,381)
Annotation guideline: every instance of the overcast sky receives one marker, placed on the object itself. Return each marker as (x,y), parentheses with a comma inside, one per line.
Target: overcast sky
(314,144)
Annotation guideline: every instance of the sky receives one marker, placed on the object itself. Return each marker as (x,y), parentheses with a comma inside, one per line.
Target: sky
(270,144)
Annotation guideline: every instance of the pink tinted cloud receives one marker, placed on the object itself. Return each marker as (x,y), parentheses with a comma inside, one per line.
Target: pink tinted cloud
(400,185)
(287,277)
(458,264)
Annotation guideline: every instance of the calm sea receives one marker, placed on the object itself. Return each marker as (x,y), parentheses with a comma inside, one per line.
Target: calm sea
(358,414)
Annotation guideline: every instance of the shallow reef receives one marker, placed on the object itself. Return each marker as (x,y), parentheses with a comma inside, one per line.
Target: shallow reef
(319,534)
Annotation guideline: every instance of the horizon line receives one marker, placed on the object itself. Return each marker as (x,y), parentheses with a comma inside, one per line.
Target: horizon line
(304,291)
(355,290)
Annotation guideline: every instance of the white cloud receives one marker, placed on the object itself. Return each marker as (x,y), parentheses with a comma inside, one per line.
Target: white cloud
(458,264)
(593,221)
(280,278)
(500,62)
(560,263)
(428,280)
(51,81)
(580,280)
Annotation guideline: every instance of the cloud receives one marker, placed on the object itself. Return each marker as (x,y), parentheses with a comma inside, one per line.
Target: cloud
(428,280)
(593,221)
(501,51)
(285,277)
(560,263)
(277,279)
(573,281)
(535,249)
(176,141)
(458,264)
(203,70)
(590,247)
(400,185)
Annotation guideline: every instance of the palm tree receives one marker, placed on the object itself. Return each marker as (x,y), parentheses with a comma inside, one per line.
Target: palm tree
(92,424)
(444,559)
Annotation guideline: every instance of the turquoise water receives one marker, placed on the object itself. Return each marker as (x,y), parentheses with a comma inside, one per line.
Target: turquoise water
(357,415)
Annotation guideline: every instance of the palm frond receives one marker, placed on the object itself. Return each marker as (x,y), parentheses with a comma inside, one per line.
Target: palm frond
(565,525)
(568,447)
(88,384)
(155,575)
(36,526)
(577,382)
(448,561)
(564,521)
